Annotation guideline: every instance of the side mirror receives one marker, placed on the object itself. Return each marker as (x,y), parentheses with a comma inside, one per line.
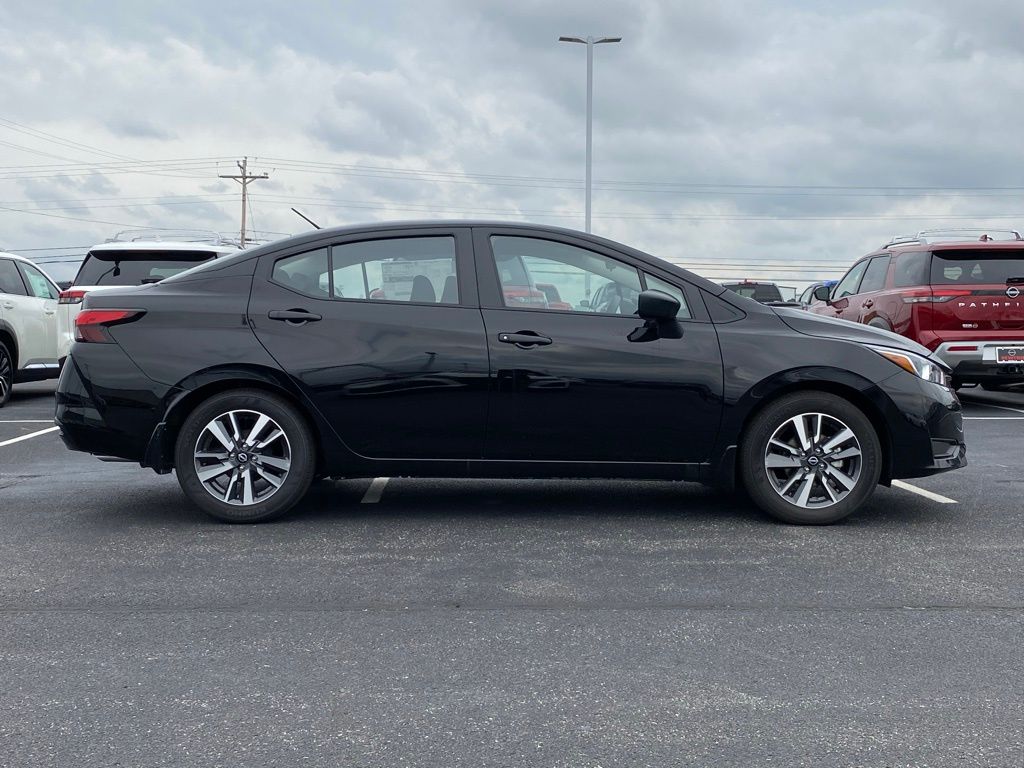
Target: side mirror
(584,304)
(822,293)
(656,305)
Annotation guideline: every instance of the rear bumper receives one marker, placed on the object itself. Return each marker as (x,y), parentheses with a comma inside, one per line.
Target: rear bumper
(974,361)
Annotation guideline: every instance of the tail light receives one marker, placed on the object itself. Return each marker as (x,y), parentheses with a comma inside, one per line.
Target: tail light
(91,325)
(72,296)
(932,296)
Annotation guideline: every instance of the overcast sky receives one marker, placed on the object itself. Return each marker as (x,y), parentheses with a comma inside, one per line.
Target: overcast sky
(754,133)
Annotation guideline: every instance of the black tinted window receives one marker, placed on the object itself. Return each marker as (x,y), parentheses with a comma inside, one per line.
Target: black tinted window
(911,269)
(757,291)
(136,267)
(982,266)
(307,273)
(10,280)
(415,269)
(874,275)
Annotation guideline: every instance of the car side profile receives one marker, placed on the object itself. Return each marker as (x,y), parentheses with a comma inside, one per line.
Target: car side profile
(30,343)
(421,349)
(960,293)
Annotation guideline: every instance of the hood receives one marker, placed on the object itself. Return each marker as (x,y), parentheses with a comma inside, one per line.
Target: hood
(815,325)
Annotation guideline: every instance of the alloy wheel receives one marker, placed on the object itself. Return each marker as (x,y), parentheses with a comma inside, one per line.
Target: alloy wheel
(6,374)
(242,457)
(813,460)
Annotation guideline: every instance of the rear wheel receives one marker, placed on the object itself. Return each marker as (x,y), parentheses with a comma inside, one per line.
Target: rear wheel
(810,458)
(6,374)
(245,456)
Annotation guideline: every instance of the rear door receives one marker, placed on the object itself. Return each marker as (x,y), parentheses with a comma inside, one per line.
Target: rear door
(46,293)
(580,384)
(383,333)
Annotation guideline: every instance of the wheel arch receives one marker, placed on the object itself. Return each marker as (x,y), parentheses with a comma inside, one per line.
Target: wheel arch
(849,386)
(198,388)
(10,340)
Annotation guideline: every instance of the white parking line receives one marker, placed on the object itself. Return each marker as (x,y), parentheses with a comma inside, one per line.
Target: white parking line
(29,436)
(922,492)
(375,491)
(993,418)
(26,421)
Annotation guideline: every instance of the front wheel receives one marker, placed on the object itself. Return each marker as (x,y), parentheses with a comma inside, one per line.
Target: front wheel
(810,458)
(245,456)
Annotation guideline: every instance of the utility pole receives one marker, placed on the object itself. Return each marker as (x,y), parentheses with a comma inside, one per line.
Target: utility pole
(244,178)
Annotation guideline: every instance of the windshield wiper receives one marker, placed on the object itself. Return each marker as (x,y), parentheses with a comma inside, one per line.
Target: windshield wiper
(1012,280)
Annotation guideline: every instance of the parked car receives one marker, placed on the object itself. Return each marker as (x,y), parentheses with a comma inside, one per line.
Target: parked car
(763,291)
(252,375)
(807,298)
(29,341)
(958,294)
(135,258)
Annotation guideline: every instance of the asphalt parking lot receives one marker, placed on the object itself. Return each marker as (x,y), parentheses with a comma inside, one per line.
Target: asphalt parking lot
(413,622)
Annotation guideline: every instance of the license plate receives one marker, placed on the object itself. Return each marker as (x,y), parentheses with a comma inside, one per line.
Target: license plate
(1010,355)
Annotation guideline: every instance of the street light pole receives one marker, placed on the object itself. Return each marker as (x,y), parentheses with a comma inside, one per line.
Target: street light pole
(590,42)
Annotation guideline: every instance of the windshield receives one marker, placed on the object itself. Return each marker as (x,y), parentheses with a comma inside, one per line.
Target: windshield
(981,266)
(136,267)
(756,291)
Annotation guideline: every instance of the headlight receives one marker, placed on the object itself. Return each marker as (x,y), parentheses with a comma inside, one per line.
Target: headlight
(922,367)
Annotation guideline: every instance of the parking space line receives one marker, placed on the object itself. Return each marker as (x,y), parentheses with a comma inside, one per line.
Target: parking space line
(993,418)
(375,491)
(26,421)
(922,492)
(29,436)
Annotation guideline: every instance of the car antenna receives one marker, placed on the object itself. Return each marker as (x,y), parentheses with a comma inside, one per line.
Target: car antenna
(300,213)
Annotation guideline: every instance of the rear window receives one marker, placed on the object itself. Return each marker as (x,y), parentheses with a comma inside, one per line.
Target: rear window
(972,267)
(760,293)
(136,267)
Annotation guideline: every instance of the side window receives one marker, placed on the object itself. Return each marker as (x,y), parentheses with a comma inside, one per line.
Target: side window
(306,273)
(37,283)
(911,269)
(542,274)
(849,285)
(874,275)
(10,280)
(414,269)
(656,284)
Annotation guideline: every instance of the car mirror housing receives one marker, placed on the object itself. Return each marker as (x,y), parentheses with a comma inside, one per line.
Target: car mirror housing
(656,305)
(822,293)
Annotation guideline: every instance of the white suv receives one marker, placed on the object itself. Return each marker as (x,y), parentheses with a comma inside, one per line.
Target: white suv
(31,346)
(135,258)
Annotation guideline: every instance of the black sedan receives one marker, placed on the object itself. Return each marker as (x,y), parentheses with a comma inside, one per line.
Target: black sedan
(427,349)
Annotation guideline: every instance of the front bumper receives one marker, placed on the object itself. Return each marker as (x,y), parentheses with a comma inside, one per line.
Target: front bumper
(925,424)
(974,362)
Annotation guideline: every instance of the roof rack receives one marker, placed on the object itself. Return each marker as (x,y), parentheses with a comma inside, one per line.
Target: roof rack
(926,236)
(168,235)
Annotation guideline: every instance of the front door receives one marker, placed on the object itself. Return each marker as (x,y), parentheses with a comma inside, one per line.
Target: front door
(574,380)
(384,334)
(842,304)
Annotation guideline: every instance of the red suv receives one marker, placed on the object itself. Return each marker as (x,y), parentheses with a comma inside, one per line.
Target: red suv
(958,294)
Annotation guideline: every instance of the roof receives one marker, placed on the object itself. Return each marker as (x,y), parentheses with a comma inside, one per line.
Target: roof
(168,245)
(16,257)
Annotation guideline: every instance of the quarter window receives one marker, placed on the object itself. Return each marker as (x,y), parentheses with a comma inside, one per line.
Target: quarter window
(37,283)
(414,269)
(543,274)
(306,273)
(848,286)
(10,280)
(656,284)
(911,269)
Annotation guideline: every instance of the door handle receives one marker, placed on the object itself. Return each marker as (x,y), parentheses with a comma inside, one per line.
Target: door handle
(8,305)
(294,316)
(524,339)
(50,311)
(869,303)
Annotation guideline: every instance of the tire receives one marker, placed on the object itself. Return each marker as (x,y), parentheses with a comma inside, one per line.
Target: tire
(256,481)
(6,374)
(828,499)
(878,322)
